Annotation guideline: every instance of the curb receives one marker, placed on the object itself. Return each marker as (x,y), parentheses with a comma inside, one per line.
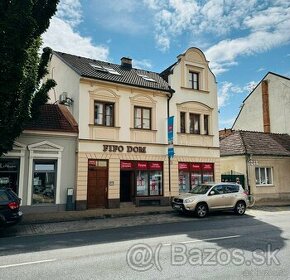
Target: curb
(103,216)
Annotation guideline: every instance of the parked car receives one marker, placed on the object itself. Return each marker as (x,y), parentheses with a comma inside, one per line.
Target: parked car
(9,207)
(212,197)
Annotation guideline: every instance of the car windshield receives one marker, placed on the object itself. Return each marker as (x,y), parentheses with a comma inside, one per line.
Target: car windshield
(200,189)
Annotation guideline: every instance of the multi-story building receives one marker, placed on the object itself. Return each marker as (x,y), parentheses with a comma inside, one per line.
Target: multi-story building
(194,107)
(267,107)
(122,114)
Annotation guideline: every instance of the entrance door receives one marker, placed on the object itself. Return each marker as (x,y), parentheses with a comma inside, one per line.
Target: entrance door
(97,187)
(126,186)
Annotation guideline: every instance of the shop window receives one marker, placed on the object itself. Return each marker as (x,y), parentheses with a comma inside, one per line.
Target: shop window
(155,182)
(44,182)
(9,173)
(182,122)
(194,123)
(264,176)
(206,124)
(194,80)
(104,113)
(193,174)
(142,117)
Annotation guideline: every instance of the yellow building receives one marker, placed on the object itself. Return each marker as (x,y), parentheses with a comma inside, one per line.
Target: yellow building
(122,114)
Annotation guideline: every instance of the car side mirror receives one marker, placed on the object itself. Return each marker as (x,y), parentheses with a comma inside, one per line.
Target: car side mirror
(212,193)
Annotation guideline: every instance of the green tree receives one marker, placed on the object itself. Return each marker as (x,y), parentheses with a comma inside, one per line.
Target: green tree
(21,68)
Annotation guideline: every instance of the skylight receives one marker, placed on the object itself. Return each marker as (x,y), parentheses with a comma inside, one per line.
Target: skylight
(146,78)
(99,68)
(112,71)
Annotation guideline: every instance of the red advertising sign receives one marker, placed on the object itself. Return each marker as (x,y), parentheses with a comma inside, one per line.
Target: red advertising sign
(155,165)
(92,162)
(142,165)
(126,164)
(183,166)
(207,166)
(196,166)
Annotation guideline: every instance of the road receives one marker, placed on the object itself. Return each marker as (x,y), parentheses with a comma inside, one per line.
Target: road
(222,246)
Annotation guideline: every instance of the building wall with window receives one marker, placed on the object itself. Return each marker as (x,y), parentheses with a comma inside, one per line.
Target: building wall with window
(267,107)
(42,165)
(195,110)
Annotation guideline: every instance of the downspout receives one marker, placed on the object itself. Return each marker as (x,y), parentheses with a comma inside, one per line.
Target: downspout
(168,115)
(247,157)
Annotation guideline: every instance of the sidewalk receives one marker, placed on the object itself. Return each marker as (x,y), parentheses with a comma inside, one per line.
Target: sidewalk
(63,216)
(36,218)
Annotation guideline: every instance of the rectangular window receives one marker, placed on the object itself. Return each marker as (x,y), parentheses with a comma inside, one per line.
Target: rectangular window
(44,182)
(205,124)
(194,80)
(104,113)
(142,118)
(194,123)
(182,122)
(264,176)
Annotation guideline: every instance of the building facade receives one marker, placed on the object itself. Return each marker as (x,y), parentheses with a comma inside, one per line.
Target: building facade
(264,159)
(195,110)
(267,107)
(41,155)
(122,114)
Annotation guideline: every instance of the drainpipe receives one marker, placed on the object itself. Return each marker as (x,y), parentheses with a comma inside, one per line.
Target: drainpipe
(168,115)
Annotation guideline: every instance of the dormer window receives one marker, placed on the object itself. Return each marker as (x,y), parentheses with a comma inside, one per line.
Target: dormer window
(194,80)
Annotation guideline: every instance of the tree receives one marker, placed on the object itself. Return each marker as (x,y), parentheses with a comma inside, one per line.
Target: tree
(22,91)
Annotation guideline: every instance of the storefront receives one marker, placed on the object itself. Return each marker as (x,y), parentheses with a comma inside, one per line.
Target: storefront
(192,174)
(141,181)
(9,173)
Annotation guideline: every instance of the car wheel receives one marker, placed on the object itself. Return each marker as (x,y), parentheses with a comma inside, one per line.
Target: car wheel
(240,208)
(201,210)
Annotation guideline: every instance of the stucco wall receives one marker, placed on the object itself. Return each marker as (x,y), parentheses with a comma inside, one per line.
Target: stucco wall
(251,115)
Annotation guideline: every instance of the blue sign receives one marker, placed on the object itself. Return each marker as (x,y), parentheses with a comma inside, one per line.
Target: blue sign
(170,136)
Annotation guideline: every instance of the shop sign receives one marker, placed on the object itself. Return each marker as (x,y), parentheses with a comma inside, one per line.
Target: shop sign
(183,166)
(8,166)
(196,166)
(121,149)
(142,165)
(155,165)
(126,164)
(207,166)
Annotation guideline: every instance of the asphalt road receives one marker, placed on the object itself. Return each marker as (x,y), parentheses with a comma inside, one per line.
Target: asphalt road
(222,246)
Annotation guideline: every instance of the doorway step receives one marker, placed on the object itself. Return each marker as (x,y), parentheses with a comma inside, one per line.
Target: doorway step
(127,205)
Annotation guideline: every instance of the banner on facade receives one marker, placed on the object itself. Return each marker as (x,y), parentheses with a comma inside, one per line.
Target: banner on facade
(170,137)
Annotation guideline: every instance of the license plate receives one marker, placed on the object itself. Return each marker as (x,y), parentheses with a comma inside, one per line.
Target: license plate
(177,207)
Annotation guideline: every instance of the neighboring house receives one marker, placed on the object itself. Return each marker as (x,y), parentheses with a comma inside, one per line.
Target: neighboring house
(44,152)
(267,107)
(122,114)
(264,159)
(194,107)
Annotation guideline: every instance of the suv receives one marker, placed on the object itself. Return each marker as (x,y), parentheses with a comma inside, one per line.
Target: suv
(212,197)
(9,207)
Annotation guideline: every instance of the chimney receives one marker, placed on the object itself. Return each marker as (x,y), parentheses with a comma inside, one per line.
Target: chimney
(266,110)
(126,62)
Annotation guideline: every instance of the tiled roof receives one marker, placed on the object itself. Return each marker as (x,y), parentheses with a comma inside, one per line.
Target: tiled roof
(129,76)
(255,143)
(53,117)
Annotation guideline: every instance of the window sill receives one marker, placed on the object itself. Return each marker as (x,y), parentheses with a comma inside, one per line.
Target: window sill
(143,129)
(103,126)
(186,133)
(197,90)
(265,185)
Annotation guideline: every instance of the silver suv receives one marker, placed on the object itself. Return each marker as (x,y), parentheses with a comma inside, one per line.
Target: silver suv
(212,197)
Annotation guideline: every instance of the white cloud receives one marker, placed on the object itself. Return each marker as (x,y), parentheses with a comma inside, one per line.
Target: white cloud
(224,94)
(261,25)
(142,64)
(62,34)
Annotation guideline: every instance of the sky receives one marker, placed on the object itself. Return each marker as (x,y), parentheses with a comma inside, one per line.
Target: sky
(242,40)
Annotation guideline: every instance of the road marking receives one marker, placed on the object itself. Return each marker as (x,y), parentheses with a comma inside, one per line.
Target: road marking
(201,240)
(26,263)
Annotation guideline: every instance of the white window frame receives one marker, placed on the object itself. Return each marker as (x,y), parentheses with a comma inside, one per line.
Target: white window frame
(264,169)
(49,151)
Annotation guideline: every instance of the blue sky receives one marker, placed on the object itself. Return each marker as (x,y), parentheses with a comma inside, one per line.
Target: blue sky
(243,40)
